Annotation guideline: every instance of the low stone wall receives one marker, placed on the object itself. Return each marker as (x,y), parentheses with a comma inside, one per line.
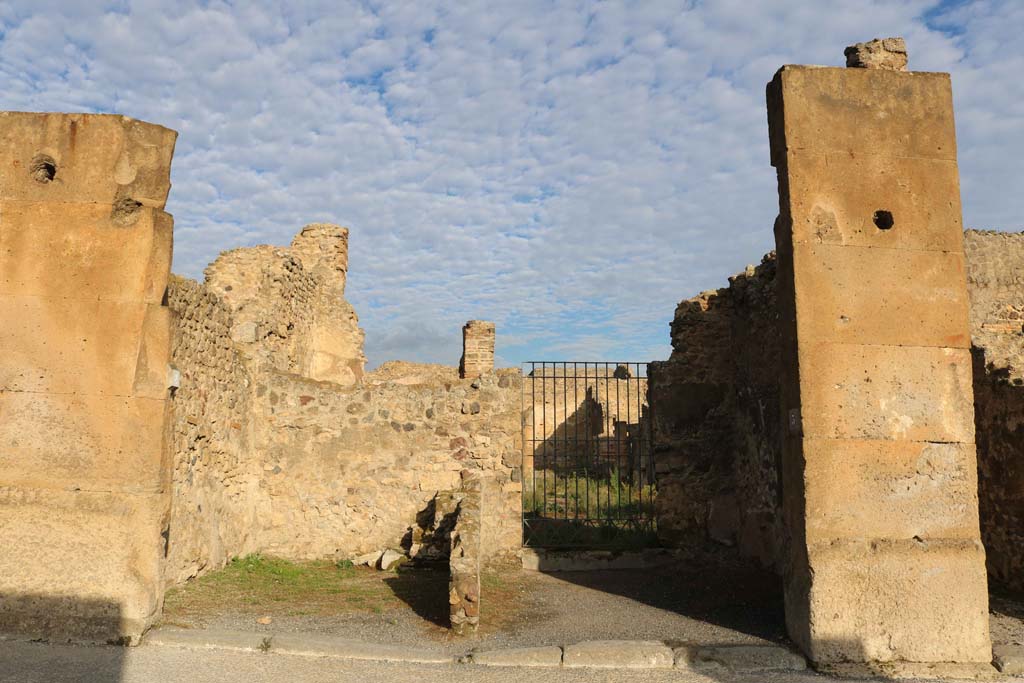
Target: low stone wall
(716,419)
(345,471)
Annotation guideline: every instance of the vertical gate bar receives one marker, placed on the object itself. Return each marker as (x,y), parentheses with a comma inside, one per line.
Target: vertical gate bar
(647,441)
(608,430)
(565,419)
(619,460)
(640,457)
(586,439)
(554,438)
(543,436)
(630,455)
(576,442)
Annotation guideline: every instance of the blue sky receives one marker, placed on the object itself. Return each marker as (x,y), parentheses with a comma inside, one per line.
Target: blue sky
(570,170)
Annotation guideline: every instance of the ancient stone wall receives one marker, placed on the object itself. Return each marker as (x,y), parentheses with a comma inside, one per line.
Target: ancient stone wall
(995,277)
(464,558)
(215,477)
(715,406)
(85,251)
(345,471)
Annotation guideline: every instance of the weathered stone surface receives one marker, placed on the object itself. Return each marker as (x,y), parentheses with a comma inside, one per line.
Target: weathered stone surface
(464,561)
(867,391)
(390,559)
(84,253)
(95,159)
(857,587)
(520,656)
(618,654)
(748,658)
(880,53)
(1009,659)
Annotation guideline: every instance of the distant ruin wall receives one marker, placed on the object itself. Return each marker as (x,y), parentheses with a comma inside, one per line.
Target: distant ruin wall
(85,251)
(995,278)
(715,404)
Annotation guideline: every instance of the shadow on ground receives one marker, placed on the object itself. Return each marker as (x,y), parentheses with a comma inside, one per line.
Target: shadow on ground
(424,590)
(716,587)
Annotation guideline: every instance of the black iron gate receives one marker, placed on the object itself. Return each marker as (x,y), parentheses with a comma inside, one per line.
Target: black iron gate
(588,465)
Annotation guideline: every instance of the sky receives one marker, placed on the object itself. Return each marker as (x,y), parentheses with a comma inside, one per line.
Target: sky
(569,170)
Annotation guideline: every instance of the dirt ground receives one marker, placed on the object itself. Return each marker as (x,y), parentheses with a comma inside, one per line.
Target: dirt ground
(706,599)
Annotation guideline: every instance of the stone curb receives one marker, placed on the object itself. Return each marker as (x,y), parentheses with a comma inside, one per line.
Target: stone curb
(591,654)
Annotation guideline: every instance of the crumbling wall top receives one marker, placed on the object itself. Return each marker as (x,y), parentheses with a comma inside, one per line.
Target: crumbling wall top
(881,53)
(85,158)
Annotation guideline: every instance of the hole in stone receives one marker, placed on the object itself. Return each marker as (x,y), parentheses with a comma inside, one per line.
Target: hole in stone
(43,168)
(126,211)
(883,219)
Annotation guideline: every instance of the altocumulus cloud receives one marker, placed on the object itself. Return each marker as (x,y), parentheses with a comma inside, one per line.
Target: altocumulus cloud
(568,169)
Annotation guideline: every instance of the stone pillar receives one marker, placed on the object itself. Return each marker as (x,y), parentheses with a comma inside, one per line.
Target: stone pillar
(477,349)
(880,501)
(465,558)
(85,251)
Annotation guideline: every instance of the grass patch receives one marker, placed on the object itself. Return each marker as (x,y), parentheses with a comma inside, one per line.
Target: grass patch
(258,584)
(572,495)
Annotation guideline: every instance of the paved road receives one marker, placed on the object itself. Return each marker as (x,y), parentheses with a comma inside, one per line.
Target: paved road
(36,663)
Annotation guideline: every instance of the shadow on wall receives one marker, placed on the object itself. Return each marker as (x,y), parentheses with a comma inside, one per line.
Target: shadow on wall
(59,619)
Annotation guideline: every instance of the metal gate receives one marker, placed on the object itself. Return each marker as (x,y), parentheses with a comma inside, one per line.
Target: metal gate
(588,467)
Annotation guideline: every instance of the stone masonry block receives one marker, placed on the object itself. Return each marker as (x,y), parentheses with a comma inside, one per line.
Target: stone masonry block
(90,442)
(889,489)
(101,558)
(858,295)
(891,601)
(889,113)
(839,198)
(75,346)
(851,391)
(88,158)
(100,259)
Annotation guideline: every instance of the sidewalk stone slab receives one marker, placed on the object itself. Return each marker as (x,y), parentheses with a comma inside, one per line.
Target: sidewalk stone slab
(298,644)
(747,658)
(522,656)
(618,654)
(1009,659)
(245,641)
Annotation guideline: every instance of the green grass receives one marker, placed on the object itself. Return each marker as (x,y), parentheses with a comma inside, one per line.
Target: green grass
(268,585)
(574,496)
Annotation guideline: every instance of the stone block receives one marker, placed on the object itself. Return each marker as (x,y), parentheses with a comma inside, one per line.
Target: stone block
(853,391)
(618,654)
(520,656)
(888,113)
(885,53)
(888,600)
(76,346)
(843,199)
(87,442)
(99,259)
(889,489)
(858,295)
(747,658)
(91,559)
(1009,659)
(87,158)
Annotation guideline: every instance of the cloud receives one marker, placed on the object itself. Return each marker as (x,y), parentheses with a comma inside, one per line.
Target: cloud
(569,170)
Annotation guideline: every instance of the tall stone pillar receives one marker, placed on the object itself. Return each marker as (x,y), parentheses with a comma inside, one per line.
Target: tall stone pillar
(477,348)
(85,252)
(879,477)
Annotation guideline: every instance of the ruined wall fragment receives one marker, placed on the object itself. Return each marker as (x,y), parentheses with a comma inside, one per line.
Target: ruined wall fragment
(879,468)
(995,276)
(477,348)
(464,561)
(85,251)
(715,403)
